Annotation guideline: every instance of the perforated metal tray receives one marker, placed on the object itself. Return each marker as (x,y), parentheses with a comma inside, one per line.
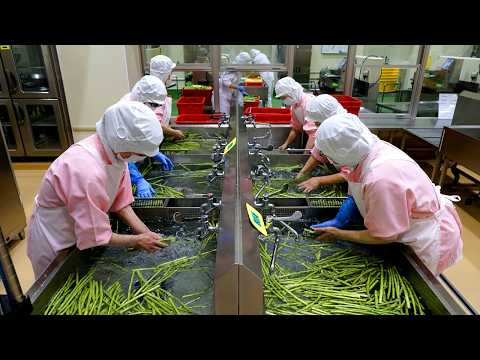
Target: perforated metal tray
(326,203)
(149,203)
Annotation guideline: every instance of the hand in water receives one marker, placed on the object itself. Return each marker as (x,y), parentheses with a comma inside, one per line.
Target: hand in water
(310,184)
(150,242)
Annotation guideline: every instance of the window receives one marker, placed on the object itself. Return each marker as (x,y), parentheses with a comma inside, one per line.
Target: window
(384,76)
(180,54)
(320,68)
(449,69)
(276,54)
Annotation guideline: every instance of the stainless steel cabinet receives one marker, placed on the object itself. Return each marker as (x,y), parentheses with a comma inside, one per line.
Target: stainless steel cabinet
(29,71)
(33,112)
(12,214)
(10,128)
(4,92)
(41,126)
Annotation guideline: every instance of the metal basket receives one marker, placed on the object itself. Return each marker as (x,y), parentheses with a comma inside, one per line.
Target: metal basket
(326,202)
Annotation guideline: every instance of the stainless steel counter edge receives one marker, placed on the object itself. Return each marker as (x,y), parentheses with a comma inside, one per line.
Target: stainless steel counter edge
(226,287)
(375,121)
(250,274)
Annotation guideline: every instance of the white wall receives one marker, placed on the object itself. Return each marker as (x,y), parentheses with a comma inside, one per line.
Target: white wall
(95,77)
(134,64)
(320,61)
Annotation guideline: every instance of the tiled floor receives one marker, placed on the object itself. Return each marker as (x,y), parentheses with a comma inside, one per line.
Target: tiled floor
(29,176)
(465,275)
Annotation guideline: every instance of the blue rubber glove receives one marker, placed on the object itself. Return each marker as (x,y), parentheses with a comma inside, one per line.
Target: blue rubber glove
(347,213)
(242,90)
(144,189)
(165,161)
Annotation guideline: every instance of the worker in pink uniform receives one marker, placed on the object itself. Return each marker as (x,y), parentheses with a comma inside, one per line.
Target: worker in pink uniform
(318,110)
(89,180)
(150,91)
(396,198)
(291,93)
(161,66)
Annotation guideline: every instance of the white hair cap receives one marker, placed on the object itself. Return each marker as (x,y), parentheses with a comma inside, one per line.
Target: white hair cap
(149,89)
(161,66)
(287,86)
(322,107)
(344,139)
(242,58)
(254,53)
(130,126)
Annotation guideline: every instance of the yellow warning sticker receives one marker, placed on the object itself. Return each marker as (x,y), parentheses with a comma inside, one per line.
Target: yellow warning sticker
(230,146)
(4,47)
(256,219)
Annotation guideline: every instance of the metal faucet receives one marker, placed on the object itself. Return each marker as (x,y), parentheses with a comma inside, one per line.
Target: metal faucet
(224,120)
(218,157)
(255,148)
(268,208)
(218,149)
(268,135)
(277,233)
(206,208)
(216,172)
(205,228)
(266,181)
(219,145)
(260,170)
(249,119)
(211,202)
(296,216)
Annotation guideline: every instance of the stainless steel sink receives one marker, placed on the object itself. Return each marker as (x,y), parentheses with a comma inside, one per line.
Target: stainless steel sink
(279,135)
(278,158)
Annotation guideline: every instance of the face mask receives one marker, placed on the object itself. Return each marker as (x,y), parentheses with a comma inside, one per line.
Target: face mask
(288,101)
(132,158)
(168,81)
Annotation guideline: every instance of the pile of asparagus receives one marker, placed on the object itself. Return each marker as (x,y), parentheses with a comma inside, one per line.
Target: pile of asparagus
(279,187)
(198,87)
(187,170)
(340,283)
(191,141)
(158,184)
(145,296)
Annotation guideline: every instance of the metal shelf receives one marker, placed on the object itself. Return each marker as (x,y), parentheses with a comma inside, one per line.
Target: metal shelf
(44,124)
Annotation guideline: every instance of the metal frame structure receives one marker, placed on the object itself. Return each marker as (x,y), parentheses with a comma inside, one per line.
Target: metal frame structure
(216,68)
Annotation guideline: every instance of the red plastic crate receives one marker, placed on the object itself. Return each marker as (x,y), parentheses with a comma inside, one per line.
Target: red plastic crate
(250,104)
(271,115)
(351,104)
(254,103)
(190,105)
(207,94)
(197,119)
(253,83)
